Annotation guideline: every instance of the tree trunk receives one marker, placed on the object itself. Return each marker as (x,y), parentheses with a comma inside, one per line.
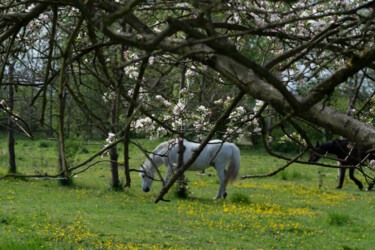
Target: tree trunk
(68,121)
(126,157)
(182,190)
(12,154)
(182,81)
(182,182)
(50,112)
(62,158)
(115,182)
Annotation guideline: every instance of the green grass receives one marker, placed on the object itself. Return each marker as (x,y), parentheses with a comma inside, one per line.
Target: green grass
(284,211)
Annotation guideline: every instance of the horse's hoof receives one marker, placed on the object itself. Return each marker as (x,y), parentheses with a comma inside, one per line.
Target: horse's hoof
(225,195)
(338,187)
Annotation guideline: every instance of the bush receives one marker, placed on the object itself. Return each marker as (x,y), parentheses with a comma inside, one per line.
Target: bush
(84,151)
(71,148)
(338,219)
(240,198)
(181,190)
(43,144)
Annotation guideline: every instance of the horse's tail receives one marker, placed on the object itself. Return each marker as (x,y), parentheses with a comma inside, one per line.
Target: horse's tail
(234,165)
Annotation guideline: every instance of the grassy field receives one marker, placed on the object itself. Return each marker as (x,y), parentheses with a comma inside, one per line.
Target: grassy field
(285,211)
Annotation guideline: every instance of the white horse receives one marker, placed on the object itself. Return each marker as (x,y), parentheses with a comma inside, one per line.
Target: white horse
(216,154)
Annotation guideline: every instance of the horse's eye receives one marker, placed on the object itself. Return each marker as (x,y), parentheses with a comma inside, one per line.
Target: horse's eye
(143,175)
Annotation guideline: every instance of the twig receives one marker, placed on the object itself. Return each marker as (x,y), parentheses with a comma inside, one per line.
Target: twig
(152,162)
(276,171)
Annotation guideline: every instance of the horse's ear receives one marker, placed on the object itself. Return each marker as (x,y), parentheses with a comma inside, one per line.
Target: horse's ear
(142,167)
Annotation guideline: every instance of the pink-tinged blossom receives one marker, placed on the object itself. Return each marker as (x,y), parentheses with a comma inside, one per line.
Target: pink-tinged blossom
(151,60)
(184,90)
(167,104)
(177,110)
(159,97)
(230,130)
(241,110)
(145,124)
(220,101)
(191,71)
(43,17)
(372,164)
(202,108)
(131,72)
(182,5)
(32,6)
(110,138)
(161,131)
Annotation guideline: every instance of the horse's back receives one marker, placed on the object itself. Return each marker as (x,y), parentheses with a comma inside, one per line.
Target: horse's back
(215,153)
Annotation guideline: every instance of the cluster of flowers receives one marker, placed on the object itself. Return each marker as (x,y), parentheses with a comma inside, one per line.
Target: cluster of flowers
(241,122)
(36,24)
(293,137)
(133,60)
(365,116)
(110,139)
(177,116)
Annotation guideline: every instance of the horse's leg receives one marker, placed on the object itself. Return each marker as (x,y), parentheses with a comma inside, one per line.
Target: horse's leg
(370,186)
(167,173)
(341,177)
(220,169)
(351,175)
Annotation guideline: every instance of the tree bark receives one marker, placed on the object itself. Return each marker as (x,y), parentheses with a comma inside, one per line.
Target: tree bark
(11,141)
(115,182)
(50,112)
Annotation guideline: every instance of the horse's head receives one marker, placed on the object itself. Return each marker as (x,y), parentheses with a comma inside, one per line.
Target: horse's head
(147,178)
(313,157)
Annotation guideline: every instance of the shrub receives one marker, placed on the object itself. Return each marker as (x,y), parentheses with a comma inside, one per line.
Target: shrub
(71,148)
(240,198)
(84,151)
(181,190)
(337,219)
(284,175)
(43,144)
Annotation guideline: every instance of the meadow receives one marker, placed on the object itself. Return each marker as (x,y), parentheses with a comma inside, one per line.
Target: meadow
(287,211)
